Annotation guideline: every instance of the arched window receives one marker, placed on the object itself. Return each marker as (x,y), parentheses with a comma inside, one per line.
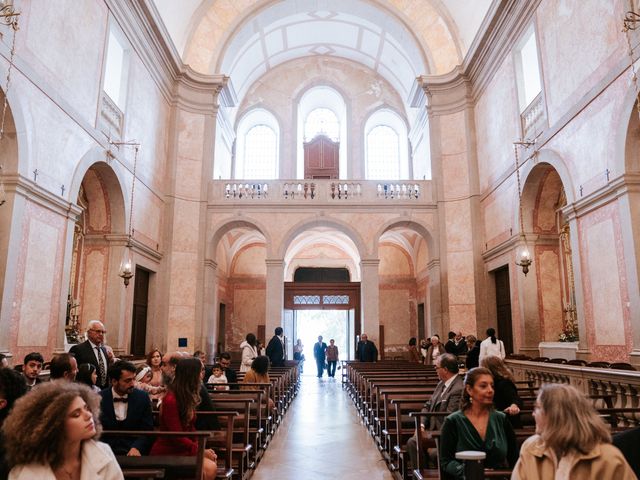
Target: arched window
(322,121)
(257,147)
(386,143)
(383,154)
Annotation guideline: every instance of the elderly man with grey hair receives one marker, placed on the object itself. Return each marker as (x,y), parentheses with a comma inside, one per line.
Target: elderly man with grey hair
(93,351)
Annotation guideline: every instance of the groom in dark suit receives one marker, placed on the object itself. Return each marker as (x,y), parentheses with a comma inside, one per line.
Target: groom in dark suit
(124,407)
(92,351)
(320,354)
(446,398)
(275,349)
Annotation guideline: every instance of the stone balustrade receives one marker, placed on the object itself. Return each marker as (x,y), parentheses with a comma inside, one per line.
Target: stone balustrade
(321,191)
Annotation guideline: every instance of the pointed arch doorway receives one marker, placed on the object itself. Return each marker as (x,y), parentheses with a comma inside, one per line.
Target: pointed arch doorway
(322,308)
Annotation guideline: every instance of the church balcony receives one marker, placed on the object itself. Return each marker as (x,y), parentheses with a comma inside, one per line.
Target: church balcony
(321,192)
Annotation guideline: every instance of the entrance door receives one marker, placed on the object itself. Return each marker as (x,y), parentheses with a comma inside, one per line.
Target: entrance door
(140,306)
(503,307)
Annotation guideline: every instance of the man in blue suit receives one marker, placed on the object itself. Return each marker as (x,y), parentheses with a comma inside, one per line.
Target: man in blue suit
(124,407)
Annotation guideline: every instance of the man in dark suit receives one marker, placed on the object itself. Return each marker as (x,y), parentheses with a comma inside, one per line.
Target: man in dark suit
(320,353)
(446,398)
(230,373)
(92,351)
(124,407)
(275,349)
(366,351)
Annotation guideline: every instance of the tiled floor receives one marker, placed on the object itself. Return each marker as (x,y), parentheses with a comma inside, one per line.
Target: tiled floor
(321,437)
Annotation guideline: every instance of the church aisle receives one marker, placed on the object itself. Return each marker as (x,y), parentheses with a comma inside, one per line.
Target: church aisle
(321,437)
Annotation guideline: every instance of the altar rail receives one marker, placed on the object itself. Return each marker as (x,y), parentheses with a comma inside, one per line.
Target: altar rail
(623,385)
(321,191)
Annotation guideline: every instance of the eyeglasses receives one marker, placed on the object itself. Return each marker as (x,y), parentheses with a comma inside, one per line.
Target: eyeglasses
(103,332)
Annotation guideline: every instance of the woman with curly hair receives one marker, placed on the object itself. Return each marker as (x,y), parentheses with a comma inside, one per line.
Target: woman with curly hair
(154,360)
(572,441)
(477,426)
(52,434)
(178,414)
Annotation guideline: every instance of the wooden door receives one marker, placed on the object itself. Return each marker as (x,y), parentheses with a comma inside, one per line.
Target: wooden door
(140,307)
(503,308)
(321,158)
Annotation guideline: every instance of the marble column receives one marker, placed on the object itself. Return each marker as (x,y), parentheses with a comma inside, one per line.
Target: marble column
(211,320)
(275,295)
(370,298)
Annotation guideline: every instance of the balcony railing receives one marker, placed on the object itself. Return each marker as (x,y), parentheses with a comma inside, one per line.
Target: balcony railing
(534,118)
(320,191)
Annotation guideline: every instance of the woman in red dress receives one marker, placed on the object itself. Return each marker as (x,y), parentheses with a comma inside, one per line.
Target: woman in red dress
(178,414)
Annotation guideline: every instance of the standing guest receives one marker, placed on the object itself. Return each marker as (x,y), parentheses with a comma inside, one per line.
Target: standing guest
(461,344)
(424,346)
(366,350)
(491,346)
(434,351)
(473,352)
(88,375)
(319,353)
(298,348)
(450,346)
(154,360)
(275,349)
(12,387)
(92,351)
(230,373)
(218,378)
(445,398)
(505,398)
(52,434)
(178,414)
(477,426)
(63,366)
(571,441)
(124,407)
(259,374)
(31,368)
(260,348)
(143,382)
(249,352)
(414,354)
(332,358)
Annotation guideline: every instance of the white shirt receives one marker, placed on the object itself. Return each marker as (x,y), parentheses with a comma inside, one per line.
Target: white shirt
(120,408)
(488,349)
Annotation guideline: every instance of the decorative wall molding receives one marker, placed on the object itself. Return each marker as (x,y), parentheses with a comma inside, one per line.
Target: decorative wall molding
(19,185)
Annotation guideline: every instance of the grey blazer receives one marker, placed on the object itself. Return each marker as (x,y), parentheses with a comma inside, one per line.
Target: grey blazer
(449,402)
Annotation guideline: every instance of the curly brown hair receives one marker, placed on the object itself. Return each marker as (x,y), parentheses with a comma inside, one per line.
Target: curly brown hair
(150,354)
(186,387)
(34,431)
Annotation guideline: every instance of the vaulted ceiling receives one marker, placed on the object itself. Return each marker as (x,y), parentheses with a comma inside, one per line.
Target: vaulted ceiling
(399,39)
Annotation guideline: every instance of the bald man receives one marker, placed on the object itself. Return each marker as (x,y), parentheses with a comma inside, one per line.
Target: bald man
(92,351)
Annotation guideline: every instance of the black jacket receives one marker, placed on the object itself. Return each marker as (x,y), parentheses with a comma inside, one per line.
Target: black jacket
(139,417)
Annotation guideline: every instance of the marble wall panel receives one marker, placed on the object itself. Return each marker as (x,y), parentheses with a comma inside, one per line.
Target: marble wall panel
(549,292)
(395,315)
(462,317)
(499,214)
(94,285)
(249,311)
(394,261)
(458,226)
(597,25)
(185,226)
(190,135)
(461,278)
(181,324)
(183,279)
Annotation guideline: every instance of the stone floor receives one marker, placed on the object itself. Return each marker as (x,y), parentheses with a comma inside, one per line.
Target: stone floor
(321,437)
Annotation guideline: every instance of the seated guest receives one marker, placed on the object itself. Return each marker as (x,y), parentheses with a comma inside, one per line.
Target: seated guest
(144,376)
(434,351)
(445,398)
(63,366)
(628,441)
(506,397)
(218,377)
(178,414)
(258,374)
(12,387)
(52,434)
(473,353)
(414,354)
(124,407)
(154,360)
(88,375)
(230,373)
(31,368)
(477,426)
(450,346)
(571,441)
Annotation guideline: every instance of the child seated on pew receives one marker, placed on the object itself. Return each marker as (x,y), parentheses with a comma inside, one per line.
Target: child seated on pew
(218,377)
(144,375)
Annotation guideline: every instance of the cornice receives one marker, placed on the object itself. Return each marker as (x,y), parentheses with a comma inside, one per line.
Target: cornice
(35,193)
(447,93)
(616,188)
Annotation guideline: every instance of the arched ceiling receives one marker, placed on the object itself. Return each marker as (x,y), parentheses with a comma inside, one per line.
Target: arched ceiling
(399,39)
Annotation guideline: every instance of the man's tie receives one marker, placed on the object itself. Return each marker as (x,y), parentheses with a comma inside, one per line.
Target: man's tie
(120,399)
(102,371)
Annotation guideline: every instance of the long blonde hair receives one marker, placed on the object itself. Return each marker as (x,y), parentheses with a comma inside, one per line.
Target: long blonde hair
(571,422)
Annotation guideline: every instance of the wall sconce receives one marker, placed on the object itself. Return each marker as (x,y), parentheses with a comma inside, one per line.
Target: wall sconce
(523,256)
(126,266)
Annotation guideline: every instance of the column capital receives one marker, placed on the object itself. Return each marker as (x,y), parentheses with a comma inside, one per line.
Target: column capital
(212,264)
(370,262)
(274,262)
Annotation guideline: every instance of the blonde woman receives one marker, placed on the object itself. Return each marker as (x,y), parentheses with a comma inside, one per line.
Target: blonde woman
(571,443)
(51,435)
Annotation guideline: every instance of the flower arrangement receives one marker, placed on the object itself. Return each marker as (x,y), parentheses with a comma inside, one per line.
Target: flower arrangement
(570,331)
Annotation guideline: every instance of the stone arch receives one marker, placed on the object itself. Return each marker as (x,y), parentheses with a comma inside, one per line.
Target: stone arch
(627,137)
(339,225)
(15,153)
(229,225)
(412,225)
